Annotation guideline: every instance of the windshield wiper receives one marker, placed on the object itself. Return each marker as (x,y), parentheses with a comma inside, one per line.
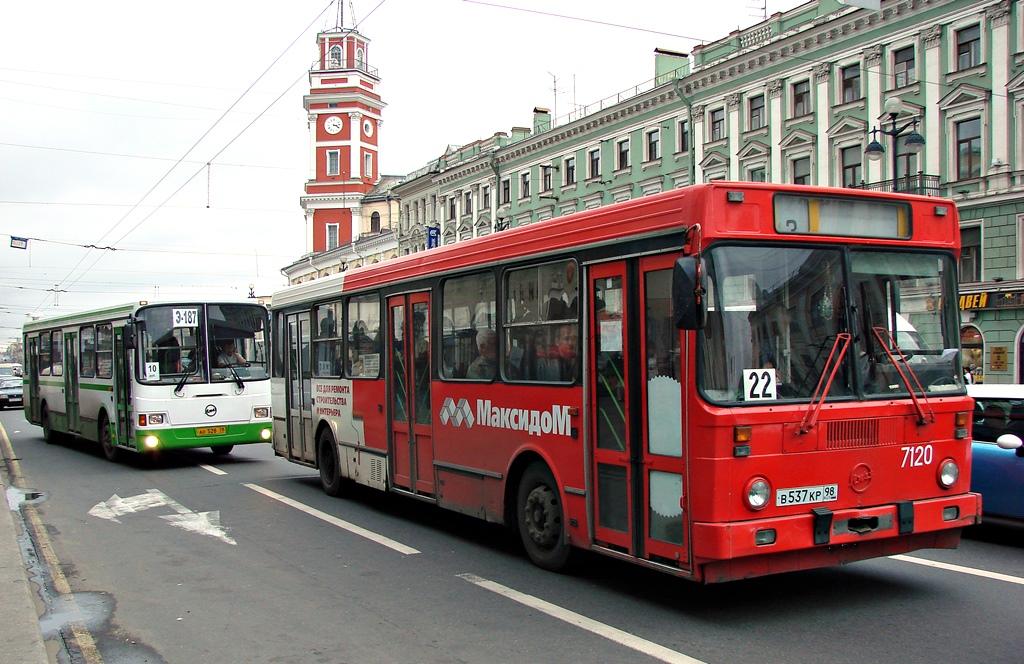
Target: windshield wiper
(922,417)
(811,417)
(193,369)
(238,379)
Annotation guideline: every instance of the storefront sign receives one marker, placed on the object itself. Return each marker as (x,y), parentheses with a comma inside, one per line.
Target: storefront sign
(997,361)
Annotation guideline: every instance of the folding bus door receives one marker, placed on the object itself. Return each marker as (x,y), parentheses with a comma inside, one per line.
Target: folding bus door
(71,399)
(412,451)
(635,411)
(301,446)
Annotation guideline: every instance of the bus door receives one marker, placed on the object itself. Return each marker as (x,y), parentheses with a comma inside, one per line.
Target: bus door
(32,371)
(301,446)
(71,406)
(123,377)
(635,411)
(412,451)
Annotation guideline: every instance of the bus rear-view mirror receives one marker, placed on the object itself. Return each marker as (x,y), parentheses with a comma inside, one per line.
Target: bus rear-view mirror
(689,301)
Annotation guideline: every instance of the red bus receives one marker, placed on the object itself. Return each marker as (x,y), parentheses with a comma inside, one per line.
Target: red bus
(722,381)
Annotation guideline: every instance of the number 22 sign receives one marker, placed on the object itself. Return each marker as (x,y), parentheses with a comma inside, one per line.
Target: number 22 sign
(759,384)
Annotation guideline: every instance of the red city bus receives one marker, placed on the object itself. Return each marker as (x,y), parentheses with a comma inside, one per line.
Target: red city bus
(722,381)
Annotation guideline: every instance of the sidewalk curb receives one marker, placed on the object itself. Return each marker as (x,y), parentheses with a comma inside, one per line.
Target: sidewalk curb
(20,637)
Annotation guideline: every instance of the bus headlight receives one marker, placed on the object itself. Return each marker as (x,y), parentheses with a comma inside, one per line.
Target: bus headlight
(156,418)
(949,473)
(151,442)
(757,494)
(261,412)
(266,434)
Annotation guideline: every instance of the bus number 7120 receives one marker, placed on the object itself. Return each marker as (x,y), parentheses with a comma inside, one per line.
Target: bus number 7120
(917,455)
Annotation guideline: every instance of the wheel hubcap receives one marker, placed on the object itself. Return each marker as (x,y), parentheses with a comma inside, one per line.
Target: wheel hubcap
(542,521)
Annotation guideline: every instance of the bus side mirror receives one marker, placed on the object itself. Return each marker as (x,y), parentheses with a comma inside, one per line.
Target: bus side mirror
(689,301)
(129,335)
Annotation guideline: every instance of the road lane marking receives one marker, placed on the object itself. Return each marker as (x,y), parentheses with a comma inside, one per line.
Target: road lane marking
(203,523)
(215,471)
(607,631)
(335,521)
(963,570)
(86,644)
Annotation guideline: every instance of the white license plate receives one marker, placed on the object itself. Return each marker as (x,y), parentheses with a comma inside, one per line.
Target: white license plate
(806,495)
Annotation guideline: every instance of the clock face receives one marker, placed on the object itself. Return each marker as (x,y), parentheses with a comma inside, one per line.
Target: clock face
(367,128)
(332,124)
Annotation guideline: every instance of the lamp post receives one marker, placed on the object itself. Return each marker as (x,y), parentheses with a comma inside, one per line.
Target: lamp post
(914,142)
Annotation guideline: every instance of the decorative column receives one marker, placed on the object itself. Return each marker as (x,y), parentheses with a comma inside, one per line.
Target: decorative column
(933,130)
(822,72)
(874,90)
(697,133)
(775,120)
(732,143)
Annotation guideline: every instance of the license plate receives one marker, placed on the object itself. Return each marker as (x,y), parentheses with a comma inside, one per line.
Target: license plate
(210,431)
(807,495)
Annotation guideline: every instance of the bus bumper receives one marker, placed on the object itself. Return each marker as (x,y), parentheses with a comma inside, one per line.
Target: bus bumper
(192,437)
(822,537)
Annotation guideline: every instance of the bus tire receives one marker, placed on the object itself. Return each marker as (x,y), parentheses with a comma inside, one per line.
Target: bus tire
(327,460)
(49,435)
(107,441)
(541,519)
(221,450)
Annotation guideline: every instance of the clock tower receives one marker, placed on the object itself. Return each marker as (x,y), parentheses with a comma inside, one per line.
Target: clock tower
(344,111)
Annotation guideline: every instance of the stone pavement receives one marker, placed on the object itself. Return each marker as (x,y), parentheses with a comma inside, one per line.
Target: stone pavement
(21,641)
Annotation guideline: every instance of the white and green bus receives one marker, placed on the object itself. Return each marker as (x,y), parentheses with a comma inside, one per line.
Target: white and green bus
(145,377)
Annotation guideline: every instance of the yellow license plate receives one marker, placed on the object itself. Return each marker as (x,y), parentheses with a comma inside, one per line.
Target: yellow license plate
(210,431)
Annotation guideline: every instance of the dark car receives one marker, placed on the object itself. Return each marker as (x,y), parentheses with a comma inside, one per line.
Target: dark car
(11,394)
(997,471)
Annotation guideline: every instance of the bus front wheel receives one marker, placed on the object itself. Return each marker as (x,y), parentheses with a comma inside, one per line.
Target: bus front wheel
(107,441)
(541,519)
(327,460)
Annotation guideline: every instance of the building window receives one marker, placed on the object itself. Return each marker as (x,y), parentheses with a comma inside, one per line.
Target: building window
(717,124)
(684,135)
(506,191)
(906,162)
(375,222)
(335,57)
(757,117)
(545,176)
(970,254)
(801,98)
(524,185)
(757,174)
(485,198)
(851,83)
(451,207)
(802,170)
(852,173)
(368,165)
(595,162)
(334,162)
(653,141)
(468,203)
(903,67)
(968,149)
(570,170)
(332,236)
(623,152)
(968,47)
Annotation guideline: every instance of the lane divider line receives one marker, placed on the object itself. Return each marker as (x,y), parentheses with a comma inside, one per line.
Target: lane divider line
(962,570)
(335,521)
(626,639)
(83,637)
(215,471)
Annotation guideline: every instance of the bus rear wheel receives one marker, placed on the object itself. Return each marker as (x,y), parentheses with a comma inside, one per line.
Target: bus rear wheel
(541,519)
(327,460)
(222,449)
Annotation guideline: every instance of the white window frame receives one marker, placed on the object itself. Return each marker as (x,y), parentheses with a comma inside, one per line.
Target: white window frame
(980,225)
(332,228)
(368,164)
(337,162)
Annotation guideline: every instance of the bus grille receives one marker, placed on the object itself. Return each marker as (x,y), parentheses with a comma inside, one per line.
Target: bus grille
(848,434)
(376,470)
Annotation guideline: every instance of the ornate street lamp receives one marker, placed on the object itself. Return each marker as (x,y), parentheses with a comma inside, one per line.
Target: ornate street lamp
(914,142)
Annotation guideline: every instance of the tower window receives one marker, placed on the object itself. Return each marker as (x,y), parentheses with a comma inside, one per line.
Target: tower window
(332,236)
(334,162)
(368,165)
(334,59)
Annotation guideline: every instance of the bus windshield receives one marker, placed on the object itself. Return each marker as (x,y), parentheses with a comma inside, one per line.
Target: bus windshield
(202,343)
(774,314)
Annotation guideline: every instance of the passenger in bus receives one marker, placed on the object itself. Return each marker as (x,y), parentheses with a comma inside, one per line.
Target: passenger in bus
(228,355)
(485,366)
(566,343)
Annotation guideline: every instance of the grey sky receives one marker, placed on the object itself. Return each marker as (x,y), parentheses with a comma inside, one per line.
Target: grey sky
(99,101)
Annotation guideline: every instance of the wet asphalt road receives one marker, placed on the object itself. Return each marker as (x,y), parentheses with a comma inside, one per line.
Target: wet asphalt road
(196,558)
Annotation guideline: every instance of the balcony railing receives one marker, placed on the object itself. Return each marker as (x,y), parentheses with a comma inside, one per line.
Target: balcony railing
(920,184)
